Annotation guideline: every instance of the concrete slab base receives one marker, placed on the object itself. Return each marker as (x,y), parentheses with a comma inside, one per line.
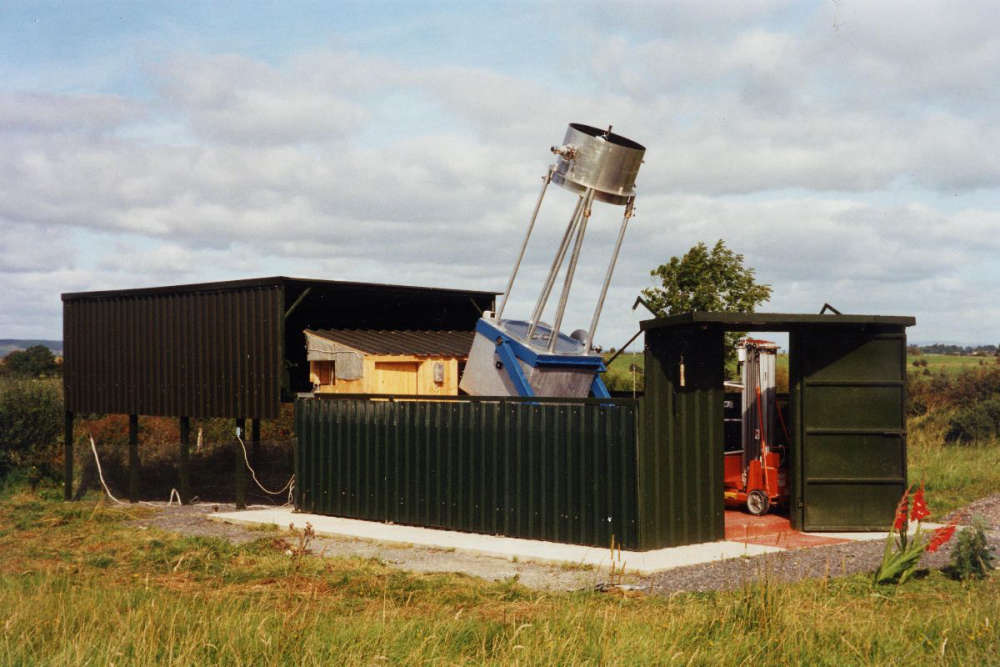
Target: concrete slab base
(646,562)
(511,548)
(876,535)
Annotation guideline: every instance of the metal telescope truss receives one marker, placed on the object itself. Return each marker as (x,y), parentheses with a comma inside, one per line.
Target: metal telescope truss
(528,357)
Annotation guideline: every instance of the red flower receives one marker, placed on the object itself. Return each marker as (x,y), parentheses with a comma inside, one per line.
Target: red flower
(919,510)
(900,523)
(940,536)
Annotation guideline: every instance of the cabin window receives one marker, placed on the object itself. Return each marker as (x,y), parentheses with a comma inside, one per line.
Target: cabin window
(326,372)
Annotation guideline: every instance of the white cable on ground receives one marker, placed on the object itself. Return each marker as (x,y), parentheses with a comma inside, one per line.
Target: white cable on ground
(173,492)
(289,485)
(100,474)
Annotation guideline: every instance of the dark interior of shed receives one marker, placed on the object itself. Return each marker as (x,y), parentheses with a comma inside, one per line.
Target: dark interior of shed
(311,305)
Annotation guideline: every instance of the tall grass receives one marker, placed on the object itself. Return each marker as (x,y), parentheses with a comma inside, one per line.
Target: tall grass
(954,475)
(80,584)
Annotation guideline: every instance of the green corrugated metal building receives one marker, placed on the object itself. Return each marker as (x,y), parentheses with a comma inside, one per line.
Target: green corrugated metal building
(649,472)
(847,384)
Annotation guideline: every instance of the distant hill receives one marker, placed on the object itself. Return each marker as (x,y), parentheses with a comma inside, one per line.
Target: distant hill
(8,345)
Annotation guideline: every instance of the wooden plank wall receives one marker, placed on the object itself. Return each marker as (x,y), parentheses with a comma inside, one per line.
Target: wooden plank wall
(391,374)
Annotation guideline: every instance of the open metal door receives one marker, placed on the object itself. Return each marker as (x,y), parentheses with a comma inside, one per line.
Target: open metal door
(848,462)
(680,452)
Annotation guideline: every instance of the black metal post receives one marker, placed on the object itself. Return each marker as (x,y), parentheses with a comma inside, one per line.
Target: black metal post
(241,471)
(255,441)
(185,468)
(296,489)
(133,458)
(68,456)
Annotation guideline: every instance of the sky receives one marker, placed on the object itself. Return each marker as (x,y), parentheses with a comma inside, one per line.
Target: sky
(848,150)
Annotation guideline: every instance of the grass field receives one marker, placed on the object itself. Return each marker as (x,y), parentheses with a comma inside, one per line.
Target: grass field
(954,475)
(84,584)
(949,363)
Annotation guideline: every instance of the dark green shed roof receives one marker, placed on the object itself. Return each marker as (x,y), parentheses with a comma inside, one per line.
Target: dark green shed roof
(773,321)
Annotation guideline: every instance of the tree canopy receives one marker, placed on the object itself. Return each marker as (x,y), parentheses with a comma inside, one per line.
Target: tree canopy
(706,280)
(36,360)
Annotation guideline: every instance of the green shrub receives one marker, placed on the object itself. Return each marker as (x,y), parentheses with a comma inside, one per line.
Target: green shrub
(971,556)
(975,423)
(36,361)
(31,417)
(974,384)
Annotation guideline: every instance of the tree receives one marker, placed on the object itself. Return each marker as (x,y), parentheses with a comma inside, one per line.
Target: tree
(707,280)
(36,360)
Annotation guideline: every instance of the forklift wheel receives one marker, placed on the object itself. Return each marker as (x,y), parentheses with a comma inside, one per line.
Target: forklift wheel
(758,503)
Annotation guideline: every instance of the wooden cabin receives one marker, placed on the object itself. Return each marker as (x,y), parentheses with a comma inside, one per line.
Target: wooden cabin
(364,361)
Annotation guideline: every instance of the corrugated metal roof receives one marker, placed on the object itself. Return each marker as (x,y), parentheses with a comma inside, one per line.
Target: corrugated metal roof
(417,343)
(772,321)
(271,281)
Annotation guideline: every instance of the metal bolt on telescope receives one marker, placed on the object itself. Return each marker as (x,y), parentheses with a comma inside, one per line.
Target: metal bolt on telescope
(529,357)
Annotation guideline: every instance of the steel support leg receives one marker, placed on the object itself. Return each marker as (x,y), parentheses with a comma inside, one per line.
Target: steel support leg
(255,442)
(185,462)
(571,270)
(607,277)
(240,481)
(68,456)
(133,458)
(531,225)
(543,298)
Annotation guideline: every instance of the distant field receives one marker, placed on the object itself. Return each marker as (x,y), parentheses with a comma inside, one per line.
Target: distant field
(948,363)
(619,377)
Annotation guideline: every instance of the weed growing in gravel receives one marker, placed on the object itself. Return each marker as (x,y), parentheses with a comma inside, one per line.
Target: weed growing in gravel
(971,556)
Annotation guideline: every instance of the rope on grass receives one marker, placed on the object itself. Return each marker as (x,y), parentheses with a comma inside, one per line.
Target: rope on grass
(100,474)
(289,486)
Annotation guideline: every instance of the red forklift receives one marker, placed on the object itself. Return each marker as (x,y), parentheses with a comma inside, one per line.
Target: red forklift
(754,473)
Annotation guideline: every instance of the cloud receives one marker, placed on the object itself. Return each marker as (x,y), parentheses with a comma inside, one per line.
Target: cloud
(27,248)
(38,112)
(235,99)
(806,142)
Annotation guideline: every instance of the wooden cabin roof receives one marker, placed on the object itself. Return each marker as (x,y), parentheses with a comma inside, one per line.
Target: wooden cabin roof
(414,343)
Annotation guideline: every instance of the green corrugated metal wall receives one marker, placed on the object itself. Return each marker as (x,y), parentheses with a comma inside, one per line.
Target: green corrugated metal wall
(680,451)
(848,393)
(563,472)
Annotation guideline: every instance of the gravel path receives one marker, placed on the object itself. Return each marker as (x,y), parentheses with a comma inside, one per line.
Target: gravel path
(788,566)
